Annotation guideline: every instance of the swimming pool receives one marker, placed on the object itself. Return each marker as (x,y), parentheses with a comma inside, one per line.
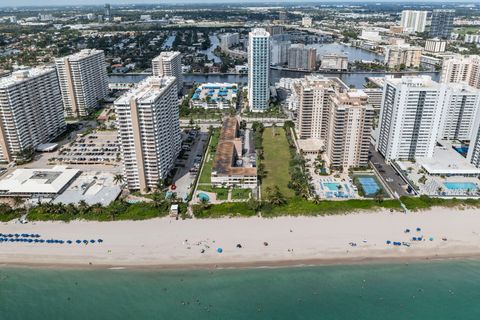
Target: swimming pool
(369,185)
(332,186)
(460,186)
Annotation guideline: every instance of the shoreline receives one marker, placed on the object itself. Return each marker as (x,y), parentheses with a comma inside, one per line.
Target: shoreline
(300,263)
(236,243)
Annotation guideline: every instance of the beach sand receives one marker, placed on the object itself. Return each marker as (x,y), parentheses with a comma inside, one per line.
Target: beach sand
(168,243)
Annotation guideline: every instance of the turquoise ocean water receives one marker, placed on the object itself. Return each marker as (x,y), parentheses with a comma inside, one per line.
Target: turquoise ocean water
(430,290)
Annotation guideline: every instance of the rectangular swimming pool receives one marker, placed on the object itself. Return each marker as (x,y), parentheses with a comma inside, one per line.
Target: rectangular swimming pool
(460,186)
(332,186)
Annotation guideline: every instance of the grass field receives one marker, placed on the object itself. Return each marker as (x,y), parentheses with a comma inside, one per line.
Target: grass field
(277,158)
(207,166)
(465,30)
(238,194)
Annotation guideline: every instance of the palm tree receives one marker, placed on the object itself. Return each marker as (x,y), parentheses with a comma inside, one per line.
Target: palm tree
(378,196)
(439,190)
(17,201)
(317,199)
(118,179)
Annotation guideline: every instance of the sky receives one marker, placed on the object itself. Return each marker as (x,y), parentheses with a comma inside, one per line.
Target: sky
(6,3)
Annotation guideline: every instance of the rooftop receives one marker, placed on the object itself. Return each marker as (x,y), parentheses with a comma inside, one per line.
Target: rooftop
(31,181)
(225,155)
(166,55)
(420,81)
(82,54)
(24,75)
(447,161)
(147,90)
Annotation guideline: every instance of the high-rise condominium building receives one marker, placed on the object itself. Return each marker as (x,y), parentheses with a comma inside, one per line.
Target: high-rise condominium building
(397,56)
(462,69)
(31,111)
(442,23)
(83,81)
(349,126)
(460,105)
(473,155)
(258,70)
(280,52)
(302,58)
(107,12)
(169,63)
(313,100)
(413,21)
(149,131)
(410,118)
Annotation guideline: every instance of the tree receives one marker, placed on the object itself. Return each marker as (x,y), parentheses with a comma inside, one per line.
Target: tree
(118,179)
(378,196)
(17,202)
(274,196)
(317,199)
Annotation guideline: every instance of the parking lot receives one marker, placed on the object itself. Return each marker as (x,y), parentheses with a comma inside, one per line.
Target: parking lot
(189,161)
(99,147)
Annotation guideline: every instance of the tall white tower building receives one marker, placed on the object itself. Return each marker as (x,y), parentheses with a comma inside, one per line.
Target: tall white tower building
(31,111)
(149,131)
(413,21)
(83,81)
(410,118)
(169,63)
(460,104)
(258,70)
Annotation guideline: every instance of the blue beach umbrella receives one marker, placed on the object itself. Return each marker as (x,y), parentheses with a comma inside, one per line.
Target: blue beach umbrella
(407,230)
(100,240)
(414,239)
(92,241)
(219,250)
(41,241)
(30,240)
(431,239)
(16,235)
(85,241)
(11,240)
(78,241)
(388,241)
(69,241)
(419,229)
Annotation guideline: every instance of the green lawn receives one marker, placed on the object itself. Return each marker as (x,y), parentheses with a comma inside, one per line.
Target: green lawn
(238,194)
(425,202)
(207,165)
(465,30)
(227,209)
(301,207)
(277,157)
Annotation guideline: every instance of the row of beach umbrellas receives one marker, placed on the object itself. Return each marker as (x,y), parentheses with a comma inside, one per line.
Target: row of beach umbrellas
(17,235)
(30,240)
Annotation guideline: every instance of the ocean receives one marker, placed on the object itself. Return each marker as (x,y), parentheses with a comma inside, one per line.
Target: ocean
(425,290)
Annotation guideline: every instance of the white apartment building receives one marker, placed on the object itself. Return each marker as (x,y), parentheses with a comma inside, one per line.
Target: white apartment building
(472,38)
(258,70)
(228,40)
(349,126)
(333,61)
(410,118)
(302,58)
(460,105)
(473,155)
(413,21)
(31,111)
(169,64)
(280,52)
(435,45)
(402,55)
(307,22)
(149,131)
(83,81)
(462,69)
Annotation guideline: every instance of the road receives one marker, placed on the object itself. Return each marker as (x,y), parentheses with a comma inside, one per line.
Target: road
(389,176)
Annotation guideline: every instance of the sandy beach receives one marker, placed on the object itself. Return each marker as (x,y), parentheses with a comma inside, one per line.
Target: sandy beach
(167,243)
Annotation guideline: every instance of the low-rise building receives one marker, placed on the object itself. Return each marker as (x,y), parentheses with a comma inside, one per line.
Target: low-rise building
(334,62)
(215,96)
(230,168)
